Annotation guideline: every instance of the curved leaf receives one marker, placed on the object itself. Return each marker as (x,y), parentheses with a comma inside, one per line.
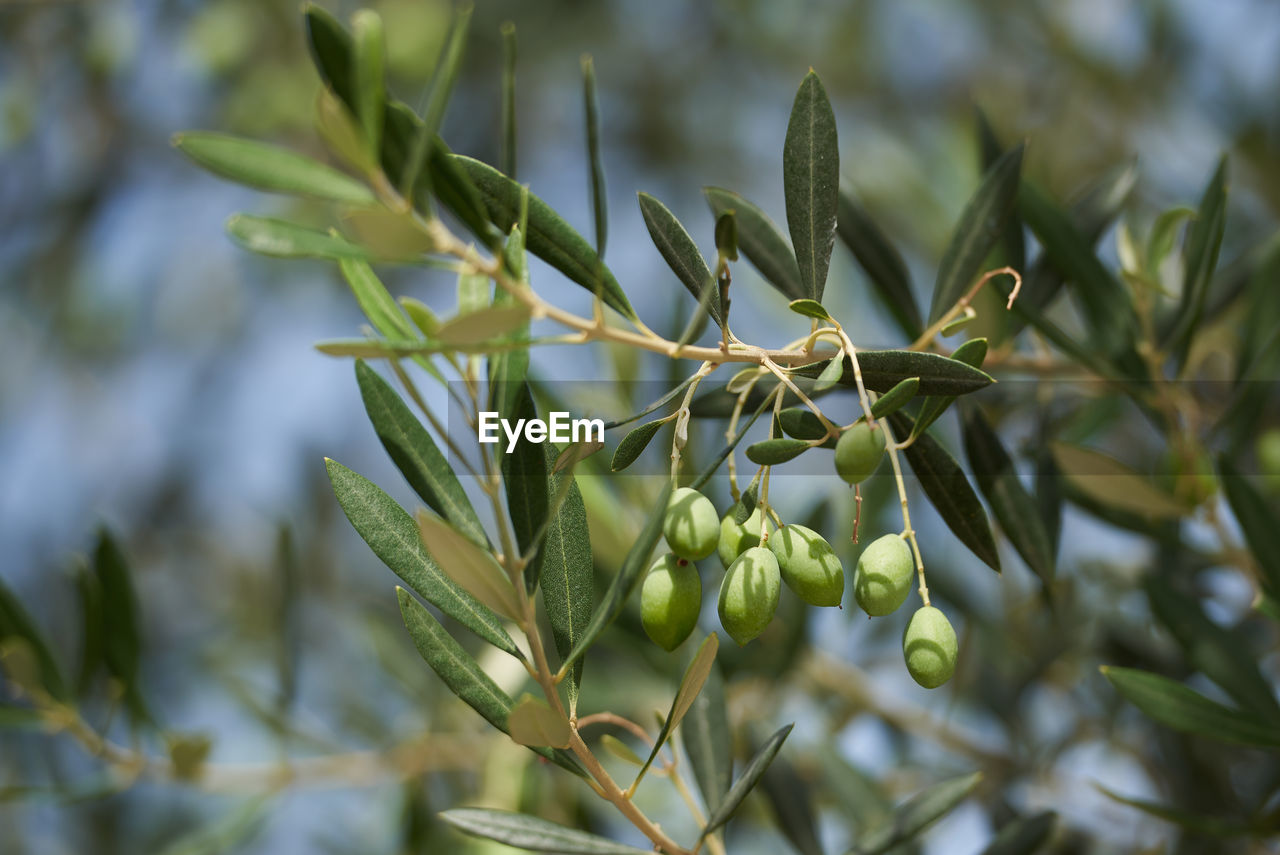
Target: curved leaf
(708,742)
(269,167)
(771,452)
(810,309)
(634,443)
(896,398)
(678,250)
(1175,706)
(917,814)
(884,369)
(882,262)
(1204,240)
(1258,521)
(568,577)
(760,240)
(972,352)
(530,832)
(743,786)
(282,239)
(695,676)
(811,182)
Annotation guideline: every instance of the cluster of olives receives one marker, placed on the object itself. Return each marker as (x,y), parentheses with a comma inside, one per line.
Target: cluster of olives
(671,596)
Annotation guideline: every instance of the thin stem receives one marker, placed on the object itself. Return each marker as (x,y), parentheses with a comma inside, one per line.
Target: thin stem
(963,303)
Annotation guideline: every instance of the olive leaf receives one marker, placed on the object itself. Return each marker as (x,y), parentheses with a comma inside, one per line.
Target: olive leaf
(810,309)
(1113,484)
(17,624)
(591,104)
(269,167)
(811,182)
(1258,521)
(635,442)
(533,722)
(695,676)
(1024,835)
(1175,706)
(707,740)
(1200,258)
(882,262)
(771,452)
(760,240)
(896,398)
(567,577)
(369,84)
(972,352)
(483,325)
(282,239)
(678,250)
(755,767)
(884,369)
(471,567)
(530,832)
(916,814)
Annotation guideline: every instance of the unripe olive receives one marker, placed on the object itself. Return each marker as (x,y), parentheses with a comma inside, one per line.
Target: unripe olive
(929,646)
(1268,450)
(737,538)
(858,452)
(670,600)
(691,527)
(808,565)
(884,575)
(749,594)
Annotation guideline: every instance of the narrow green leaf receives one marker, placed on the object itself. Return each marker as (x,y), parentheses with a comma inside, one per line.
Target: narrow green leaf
(771,452)
(453,186)
(918,813)
(1200,258)
(972,352)
(746,782)
(634,443)
(624,582)
(568,577)
(882,262)
(811,182)
(678,249)
(801,423)
(1258,521)
(471,567)
(370,83)
(549,237)
(1164,233)
(1103,299)
(342,135)
(120,629)
(507,156)
(810,309)
(981,224)
(620,749)
(1024,835)
(695,677)
(375,301)
(762,243)
(830,375)
(884,369)
(269,167)
(949,491)
(533,722)
(393,536)
(1195,822)
(896,398)
(387,234)
(1012,243)
(656,405)
(92,621)
(416,455)
(793,802)
(1113,484)
(331,51)
(283,239)
(599,207)
(1013,506)
(727,235)
(483,325)
(15,622)
(1211,649)
(708,742)
(1175,706)
(525,476)
(530,832)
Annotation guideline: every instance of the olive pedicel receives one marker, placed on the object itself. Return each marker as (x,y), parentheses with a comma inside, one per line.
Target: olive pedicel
(858,452)
(808,565)
(691,527)
(884,575)
(929,646)
(670,600)
(749,594)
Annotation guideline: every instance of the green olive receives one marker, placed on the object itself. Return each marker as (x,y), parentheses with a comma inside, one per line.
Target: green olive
(1268,450)
(858,452)
(929,646)
(809,565)
(884,575)
(670,600)
(691,526)
(737,538)
(749,594)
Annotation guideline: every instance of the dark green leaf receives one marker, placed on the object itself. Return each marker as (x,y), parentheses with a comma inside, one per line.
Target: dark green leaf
(810,309)
(453,186)
(896,398)
(811,182)
(634,443)
(1024,835)
(599,206)
(983,220)
(882,262)
(1212,650)
(507,157)
(678,249)
(771,452)
(884,369)
(442,83)
(530,832)
(1175,706)
(568,578)
(331,51)
(1012,244)
(708,742)
(760,240)
(283,239)
(948,489)
(415,454)
(1196,822)
(370,87)
(1200,258)
(727,235)
(917,814)
(972,352)
(802,423)
(269,167)
(393,536)
(625,581)
(525,472)
(695,677)
(658,404)
(549,237)
(376,302)
(1012,505)
(120,629)
(749,778)
(15,622)
(1258,520)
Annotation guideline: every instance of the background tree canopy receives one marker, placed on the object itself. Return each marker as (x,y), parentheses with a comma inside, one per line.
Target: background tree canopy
(202,655)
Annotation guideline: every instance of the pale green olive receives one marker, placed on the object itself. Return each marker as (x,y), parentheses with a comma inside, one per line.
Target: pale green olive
(749,594)
(808,565)
(691,527)
(884,575)
(670,600)
(929,646)
(858,452)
